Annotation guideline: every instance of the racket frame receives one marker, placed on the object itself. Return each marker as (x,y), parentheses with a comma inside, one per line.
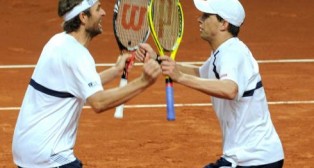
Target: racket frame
(123,49)
(173,51)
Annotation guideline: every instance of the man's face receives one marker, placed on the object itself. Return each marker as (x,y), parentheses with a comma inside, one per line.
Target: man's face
(209,26)
(93,26)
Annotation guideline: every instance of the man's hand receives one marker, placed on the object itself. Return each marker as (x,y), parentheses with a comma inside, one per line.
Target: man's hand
(169,68)
(151,71)
(145,52)
(125,60)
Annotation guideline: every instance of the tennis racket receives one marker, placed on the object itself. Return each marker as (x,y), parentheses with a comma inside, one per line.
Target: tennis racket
(130,25)
(166,23)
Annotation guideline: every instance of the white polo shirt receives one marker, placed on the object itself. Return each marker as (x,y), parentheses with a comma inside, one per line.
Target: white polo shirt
(249,137)
(64,77)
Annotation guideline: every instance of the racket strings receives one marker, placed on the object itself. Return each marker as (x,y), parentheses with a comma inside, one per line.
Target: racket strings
(131,23)
(166,22)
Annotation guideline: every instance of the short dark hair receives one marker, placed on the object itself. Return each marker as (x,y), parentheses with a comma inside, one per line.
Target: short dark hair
(234,30)
(66,6)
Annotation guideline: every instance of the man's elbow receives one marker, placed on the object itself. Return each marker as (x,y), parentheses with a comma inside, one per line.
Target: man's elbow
(231,94)
(97,105)
(98,109)
(232,91)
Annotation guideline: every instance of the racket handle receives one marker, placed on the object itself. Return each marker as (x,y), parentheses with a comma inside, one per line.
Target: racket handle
(170,100)
(119,110)
(123,82)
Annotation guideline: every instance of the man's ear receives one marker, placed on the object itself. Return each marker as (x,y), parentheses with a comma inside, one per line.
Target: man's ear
(224,25)
(83,17)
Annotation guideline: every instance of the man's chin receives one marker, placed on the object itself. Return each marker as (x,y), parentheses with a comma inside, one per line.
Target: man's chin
(204,38)
(95,33)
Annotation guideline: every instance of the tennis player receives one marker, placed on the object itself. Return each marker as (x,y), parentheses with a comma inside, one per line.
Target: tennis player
(65,78)
(231,77)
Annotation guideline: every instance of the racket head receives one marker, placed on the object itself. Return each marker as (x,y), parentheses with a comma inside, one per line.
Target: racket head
(130,23)
(166,21)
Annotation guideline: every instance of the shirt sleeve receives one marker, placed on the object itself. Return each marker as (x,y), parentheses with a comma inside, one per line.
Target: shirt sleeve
(237,68)
(86,80)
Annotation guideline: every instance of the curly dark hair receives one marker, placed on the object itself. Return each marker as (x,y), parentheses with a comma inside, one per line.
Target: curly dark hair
(65,6)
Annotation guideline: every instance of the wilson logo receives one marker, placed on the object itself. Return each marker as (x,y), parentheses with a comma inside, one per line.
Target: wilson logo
(133,17)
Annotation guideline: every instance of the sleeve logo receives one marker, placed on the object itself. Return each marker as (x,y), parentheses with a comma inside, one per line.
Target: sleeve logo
(92,84)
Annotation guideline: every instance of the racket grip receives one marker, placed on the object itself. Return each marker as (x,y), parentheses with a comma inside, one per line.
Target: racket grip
(119,109)
(170,100)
